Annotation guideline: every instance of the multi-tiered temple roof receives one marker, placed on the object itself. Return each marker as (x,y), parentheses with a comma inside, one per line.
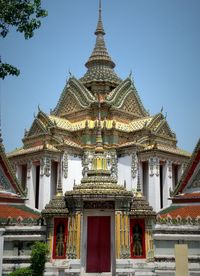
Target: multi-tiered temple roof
(124,121)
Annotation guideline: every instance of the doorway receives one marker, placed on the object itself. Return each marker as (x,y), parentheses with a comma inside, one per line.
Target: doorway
(98,244)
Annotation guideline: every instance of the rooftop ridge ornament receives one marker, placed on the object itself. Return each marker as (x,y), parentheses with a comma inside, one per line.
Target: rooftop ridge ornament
(99,29)
(100,65)
(100,52)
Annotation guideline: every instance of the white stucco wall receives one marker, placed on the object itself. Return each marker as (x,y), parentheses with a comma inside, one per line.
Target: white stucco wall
(124,171)
(74,173)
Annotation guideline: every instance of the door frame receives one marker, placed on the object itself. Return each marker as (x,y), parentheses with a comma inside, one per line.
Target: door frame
(97,213)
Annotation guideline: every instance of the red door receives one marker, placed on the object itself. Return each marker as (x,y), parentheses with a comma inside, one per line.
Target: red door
(98,244)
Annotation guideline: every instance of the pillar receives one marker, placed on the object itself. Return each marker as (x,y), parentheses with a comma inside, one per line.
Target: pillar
(167,183)
(122,235)
(149,240)
(30,185)
(74,236)
(117,233)
(154,183)
(50,235)
(45,182)
(2,230)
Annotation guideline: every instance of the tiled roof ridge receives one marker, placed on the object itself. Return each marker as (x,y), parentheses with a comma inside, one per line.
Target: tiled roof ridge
(121,92)
(182,182)
(79,91)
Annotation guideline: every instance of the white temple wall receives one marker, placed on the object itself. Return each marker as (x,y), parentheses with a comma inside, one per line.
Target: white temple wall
(165,247)
(74,173)
(31,185)
(124,171)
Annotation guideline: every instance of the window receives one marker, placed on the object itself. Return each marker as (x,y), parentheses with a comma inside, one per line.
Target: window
(137,238)
(60,238)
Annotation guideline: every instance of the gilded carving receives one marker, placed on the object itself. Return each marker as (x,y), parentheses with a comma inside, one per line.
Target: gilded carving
(65,164)
(29,166)
(154,166)
(99,205)
(42,166)
(131,105)
(134,165)
(47,166)
(85,164)
(196,181)
(113,163)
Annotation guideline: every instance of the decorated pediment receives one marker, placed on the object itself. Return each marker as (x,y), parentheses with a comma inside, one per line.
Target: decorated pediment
(155,123)
(126,98)
(130,105)
(75,97)
(5,184)
(164,129)
(8,180)
(69,105)
(190,180)
(37,128)
(195,182)
(160,126)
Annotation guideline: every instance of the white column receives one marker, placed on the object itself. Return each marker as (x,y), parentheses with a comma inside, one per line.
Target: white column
(30,184)
(167,183)
(45,182)
(2,230)
(154,183)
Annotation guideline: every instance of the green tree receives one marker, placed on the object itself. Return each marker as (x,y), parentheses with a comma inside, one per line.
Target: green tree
(38,258)
(24,15)
(25,271)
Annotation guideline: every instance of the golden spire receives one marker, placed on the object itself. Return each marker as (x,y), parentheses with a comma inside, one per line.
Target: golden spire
(99,29)
(100,65)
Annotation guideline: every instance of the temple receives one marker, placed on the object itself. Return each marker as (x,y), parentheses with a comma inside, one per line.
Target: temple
(99,167)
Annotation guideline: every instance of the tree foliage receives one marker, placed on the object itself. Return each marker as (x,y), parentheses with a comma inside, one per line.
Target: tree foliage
(25,271)
(24,16)
(38,258)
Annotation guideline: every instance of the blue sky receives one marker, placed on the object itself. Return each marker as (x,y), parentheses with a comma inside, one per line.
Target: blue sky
(159,40)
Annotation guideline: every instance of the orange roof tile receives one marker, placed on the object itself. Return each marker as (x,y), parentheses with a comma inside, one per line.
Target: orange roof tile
(192,211)
(16,211)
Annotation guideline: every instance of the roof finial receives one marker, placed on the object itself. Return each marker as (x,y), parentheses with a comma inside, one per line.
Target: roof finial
(99,29)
